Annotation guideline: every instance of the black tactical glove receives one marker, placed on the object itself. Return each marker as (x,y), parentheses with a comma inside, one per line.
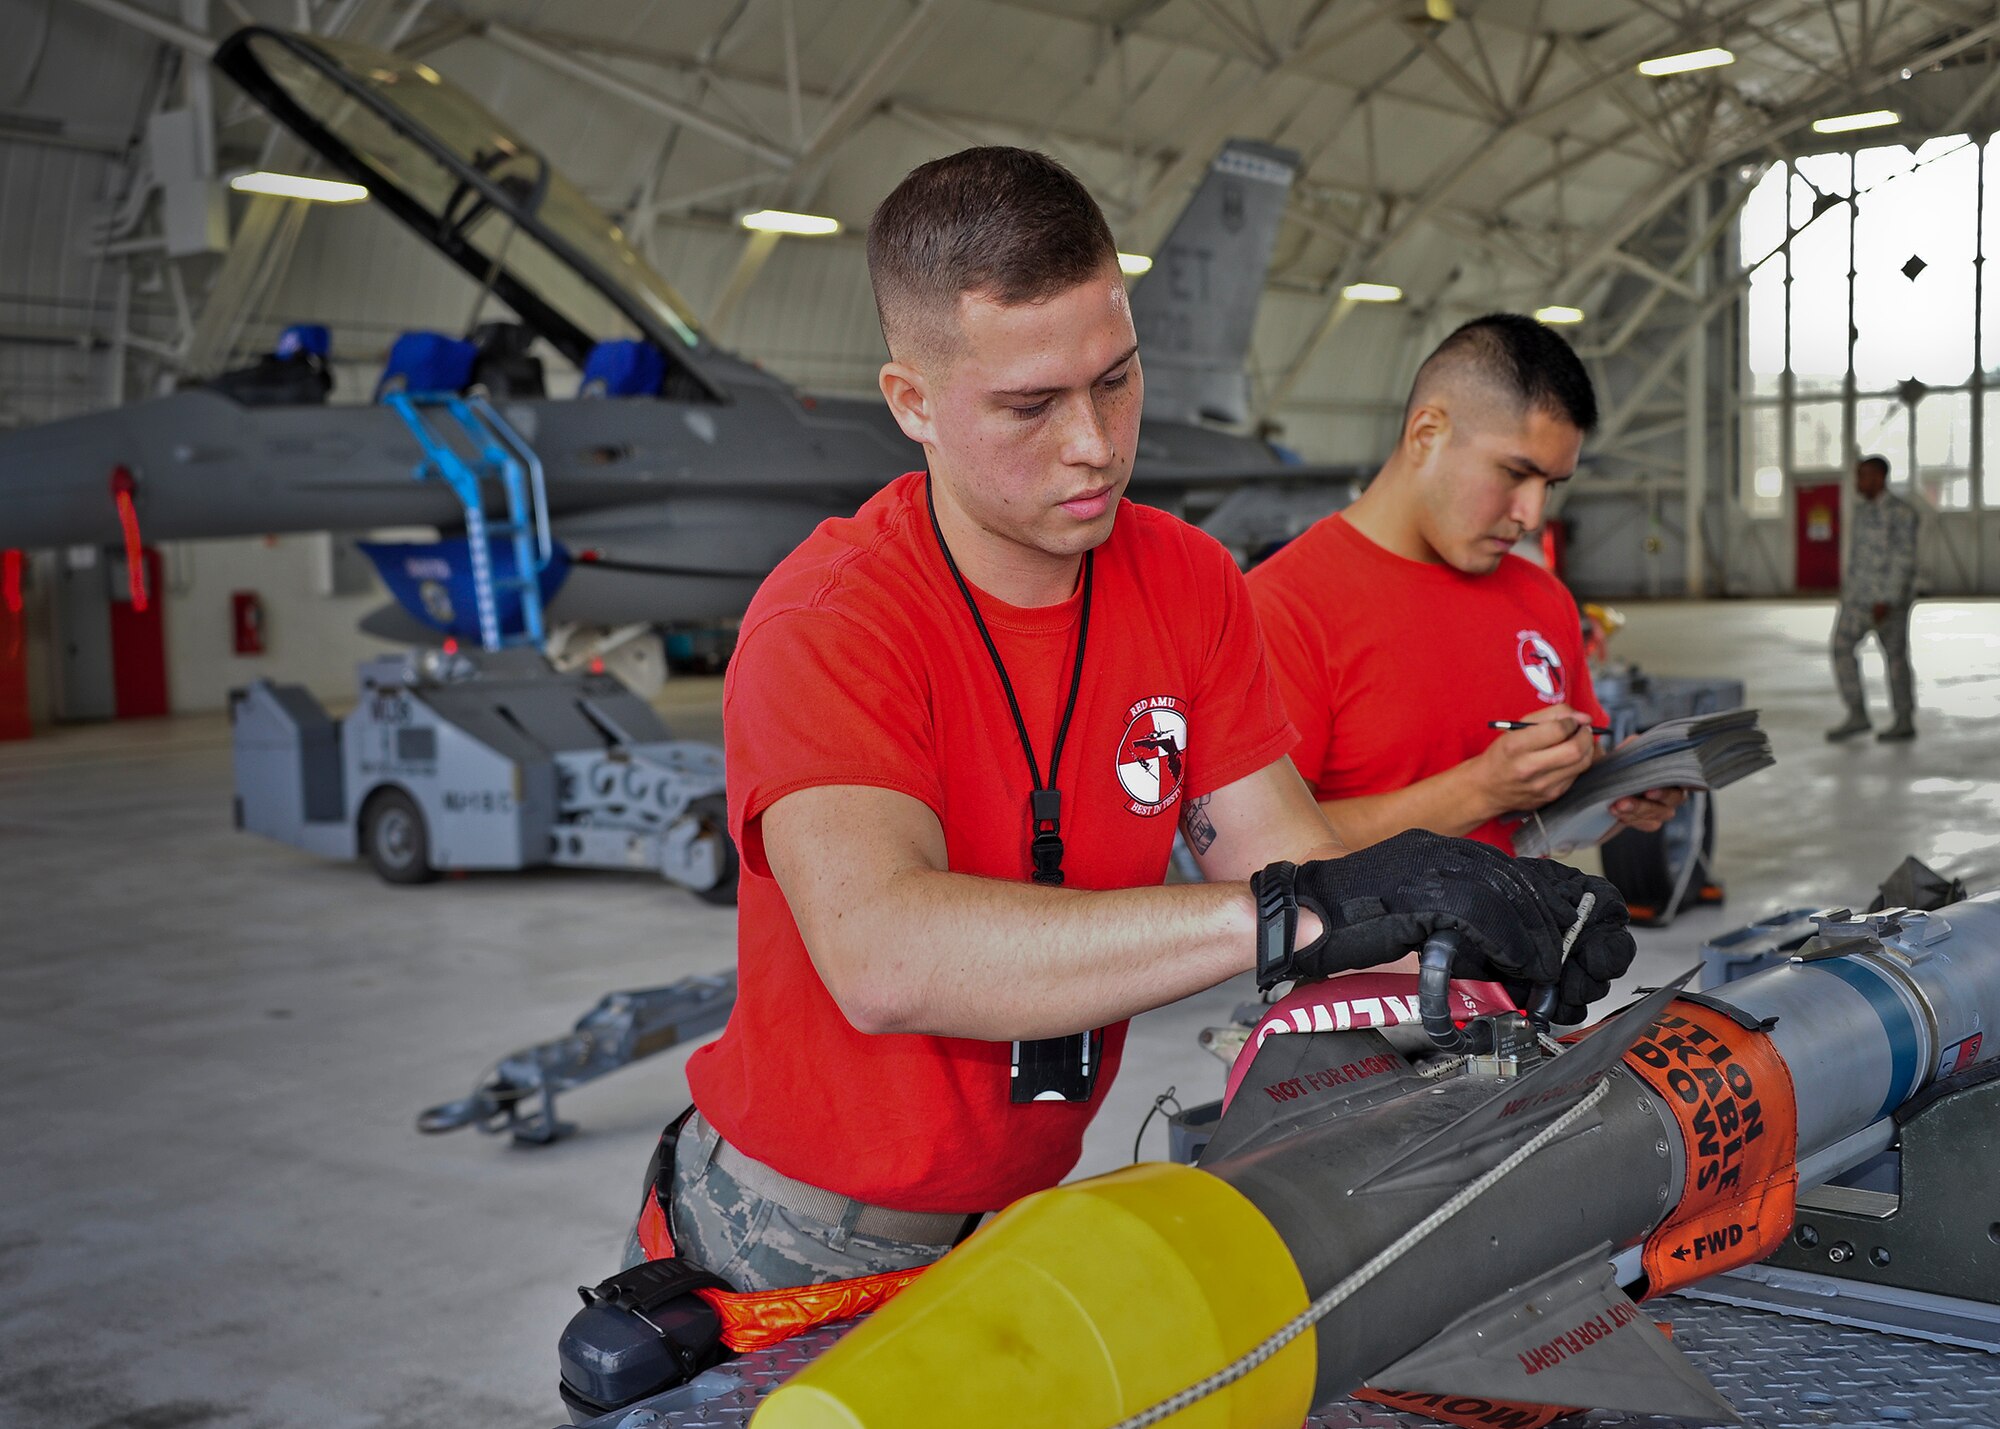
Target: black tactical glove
(1529,922)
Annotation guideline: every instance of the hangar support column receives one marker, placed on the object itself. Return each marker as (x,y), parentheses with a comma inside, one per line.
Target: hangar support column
(1694,480)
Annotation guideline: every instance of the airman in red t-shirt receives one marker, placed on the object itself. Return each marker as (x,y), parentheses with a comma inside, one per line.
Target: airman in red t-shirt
(1402,627)
(961,729)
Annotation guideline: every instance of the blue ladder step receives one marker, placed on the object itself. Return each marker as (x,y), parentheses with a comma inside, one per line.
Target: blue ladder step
(498,456)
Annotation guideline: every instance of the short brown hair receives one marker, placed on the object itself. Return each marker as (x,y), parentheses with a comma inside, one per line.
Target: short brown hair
(1009,224)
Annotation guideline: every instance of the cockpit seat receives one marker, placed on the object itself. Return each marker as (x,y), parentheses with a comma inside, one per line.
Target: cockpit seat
(428,362)
(505,367)
(293,374)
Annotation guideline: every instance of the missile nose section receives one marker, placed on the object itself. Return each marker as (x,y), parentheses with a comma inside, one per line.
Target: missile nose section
(1077,1306)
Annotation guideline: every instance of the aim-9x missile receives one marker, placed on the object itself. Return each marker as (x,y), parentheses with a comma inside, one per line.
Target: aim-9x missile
(1357,1221)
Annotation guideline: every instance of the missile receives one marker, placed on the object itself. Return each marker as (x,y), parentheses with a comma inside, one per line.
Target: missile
(1360,1219)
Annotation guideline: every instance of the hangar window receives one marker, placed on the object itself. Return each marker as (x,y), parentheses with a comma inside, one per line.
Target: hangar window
(1866,324)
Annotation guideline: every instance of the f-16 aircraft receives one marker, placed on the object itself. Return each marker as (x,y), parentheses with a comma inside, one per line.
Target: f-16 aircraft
(666,499)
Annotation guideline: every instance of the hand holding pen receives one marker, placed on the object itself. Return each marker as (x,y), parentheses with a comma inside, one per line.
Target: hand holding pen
(1602,730)
(1533,761)
(1648,811)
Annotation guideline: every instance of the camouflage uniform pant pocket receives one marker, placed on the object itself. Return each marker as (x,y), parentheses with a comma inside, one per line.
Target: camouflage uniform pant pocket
(756,1244)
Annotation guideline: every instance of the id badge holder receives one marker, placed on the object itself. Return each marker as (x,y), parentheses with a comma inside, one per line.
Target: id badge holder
(1055,1069)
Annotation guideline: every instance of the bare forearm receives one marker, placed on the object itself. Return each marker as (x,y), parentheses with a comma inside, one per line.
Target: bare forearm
(1444,803)
(954,955)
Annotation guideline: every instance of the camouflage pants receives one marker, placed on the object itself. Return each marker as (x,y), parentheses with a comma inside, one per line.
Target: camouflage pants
(1854,623)
(753,1242)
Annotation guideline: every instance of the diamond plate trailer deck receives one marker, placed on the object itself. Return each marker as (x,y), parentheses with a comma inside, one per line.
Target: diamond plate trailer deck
(1779,1372)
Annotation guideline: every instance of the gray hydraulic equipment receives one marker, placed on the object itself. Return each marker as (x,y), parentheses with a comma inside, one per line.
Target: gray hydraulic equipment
(482,760)
(478,449)
(620,1030)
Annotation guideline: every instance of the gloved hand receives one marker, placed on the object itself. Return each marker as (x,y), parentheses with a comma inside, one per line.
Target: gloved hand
(1524,921)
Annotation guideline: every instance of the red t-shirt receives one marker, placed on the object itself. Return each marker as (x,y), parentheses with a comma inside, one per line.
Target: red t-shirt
(1392,667)
(858,663)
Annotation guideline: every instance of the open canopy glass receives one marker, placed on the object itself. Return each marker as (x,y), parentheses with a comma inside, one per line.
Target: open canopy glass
(469,186)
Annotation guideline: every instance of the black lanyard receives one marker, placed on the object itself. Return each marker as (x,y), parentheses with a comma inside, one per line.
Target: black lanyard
(1053,1068)
(1045,800)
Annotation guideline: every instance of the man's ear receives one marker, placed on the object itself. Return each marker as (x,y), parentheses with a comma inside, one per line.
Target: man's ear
(1425,433)
(906,391)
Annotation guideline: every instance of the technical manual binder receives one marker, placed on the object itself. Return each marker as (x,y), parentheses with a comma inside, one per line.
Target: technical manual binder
(1699,752)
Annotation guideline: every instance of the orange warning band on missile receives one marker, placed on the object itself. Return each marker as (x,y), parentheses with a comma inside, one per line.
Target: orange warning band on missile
(1732,1095)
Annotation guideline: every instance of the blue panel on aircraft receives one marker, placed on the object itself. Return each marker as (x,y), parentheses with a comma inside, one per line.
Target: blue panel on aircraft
(433,581)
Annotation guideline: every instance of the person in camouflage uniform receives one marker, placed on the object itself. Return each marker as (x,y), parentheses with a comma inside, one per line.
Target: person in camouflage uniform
(1878,585)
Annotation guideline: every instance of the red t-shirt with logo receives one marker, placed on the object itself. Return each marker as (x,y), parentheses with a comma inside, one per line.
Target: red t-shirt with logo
(1391,667)
(858,663)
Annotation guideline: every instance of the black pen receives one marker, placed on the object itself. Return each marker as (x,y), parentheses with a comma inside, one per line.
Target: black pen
(1604,729)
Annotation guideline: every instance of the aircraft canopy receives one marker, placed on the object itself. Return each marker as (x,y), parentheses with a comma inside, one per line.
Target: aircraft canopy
(469,186)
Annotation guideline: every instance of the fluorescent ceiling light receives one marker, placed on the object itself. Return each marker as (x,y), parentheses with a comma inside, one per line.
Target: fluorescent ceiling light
(299,186)
(1557,313)
(776,220)
(1842,123)
(1682,63)
(1372,293)
(1132,265)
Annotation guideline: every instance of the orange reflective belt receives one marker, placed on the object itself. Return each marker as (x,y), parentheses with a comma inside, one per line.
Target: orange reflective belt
(756,1319)
(1732,1095)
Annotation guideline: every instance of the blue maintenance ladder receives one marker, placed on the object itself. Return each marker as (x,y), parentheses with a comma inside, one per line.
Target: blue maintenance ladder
(499,455)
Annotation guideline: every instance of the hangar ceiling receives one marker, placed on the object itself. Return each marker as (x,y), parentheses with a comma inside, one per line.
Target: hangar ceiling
(1480,153)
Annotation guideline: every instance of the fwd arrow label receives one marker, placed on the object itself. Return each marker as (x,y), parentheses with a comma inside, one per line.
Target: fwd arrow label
(1710,1244)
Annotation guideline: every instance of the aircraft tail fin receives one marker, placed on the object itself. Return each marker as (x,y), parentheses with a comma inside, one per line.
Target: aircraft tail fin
(1196,309)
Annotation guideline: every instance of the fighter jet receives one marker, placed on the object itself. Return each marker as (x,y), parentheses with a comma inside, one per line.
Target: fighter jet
(670,496)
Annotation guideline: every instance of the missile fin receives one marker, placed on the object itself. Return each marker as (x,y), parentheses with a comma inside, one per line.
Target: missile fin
(1519,1107)
(1570,1338)
(1302,1078)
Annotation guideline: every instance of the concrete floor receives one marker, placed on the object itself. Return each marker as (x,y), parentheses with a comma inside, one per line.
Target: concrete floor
(212,1049)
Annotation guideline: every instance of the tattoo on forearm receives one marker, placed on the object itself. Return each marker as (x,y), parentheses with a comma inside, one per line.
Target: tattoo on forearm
(1195,824)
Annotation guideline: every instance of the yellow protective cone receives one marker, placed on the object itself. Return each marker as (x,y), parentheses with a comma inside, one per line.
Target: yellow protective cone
(1076,1307)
